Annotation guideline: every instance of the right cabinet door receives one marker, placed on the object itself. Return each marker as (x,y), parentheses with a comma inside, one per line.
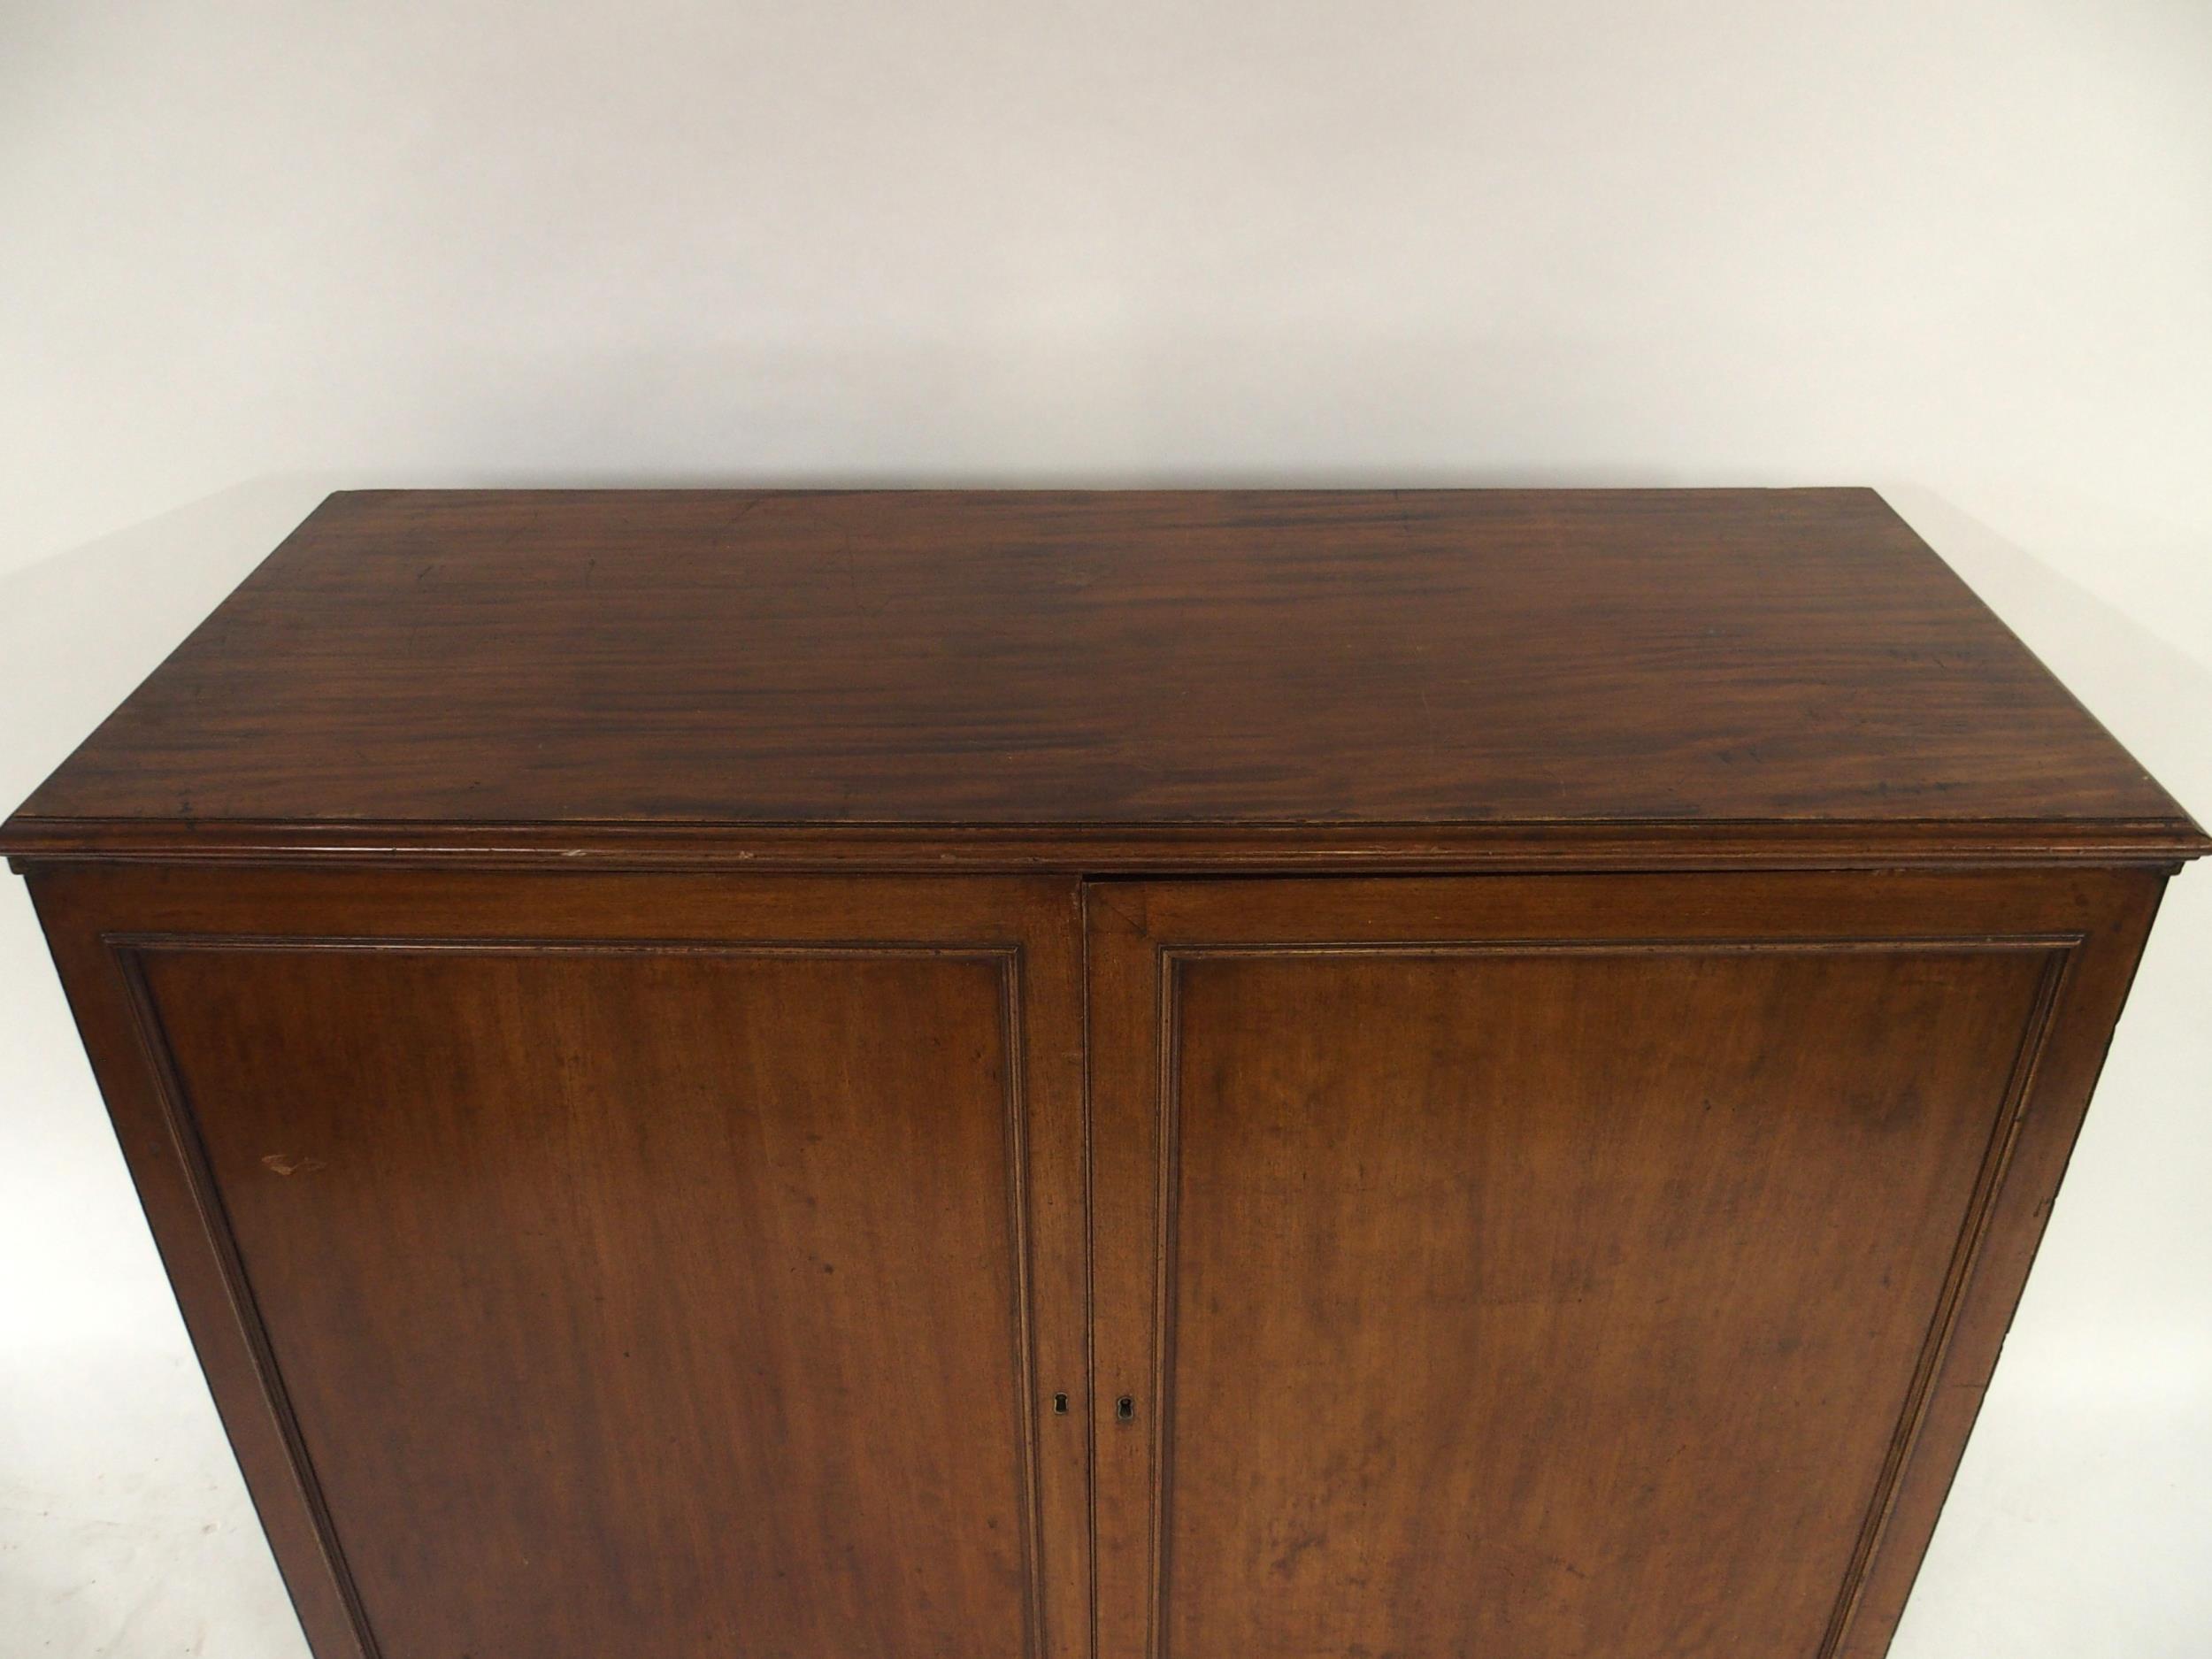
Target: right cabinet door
(1563,1267)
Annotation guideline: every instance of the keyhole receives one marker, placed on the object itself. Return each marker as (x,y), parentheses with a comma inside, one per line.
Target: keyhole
(1126,1409)
(1059,1405)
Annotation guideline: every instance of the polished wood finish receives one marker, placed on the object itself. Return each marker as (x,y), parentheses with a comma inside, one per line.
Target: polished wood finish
(463,671)
(693,1105)
(1564,1266)
(726,1237)
(588,1266)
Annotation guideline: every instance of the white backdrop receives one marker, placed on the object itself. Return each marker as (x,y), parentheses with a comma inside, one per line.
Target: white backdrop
(1962,251)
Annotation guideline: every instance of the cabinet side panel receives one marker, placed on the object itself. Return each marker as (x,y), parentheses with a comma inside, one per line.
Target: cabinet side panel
(2120,909)
(201,1268)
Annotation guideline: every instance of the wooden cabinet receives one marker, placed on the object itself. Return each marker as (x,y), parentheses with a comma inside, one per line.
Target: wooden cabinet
(1099,1076)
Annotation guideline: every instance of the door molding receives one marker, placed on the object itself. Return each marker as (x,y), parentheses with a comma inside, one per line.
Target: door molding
(1144,936)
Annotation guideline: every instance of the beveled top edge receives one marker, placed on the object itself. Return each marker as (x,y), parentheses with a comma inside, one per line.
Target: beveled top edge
(1115,849)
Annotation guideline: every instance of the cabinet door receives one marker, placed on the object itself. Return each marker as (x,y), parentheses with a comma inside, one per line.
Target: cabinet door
(651,1265)
(1564,1267)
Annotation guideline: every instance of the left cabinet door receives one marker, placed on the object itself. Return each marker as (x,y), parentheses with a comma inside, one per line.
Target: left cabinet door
(639,1264)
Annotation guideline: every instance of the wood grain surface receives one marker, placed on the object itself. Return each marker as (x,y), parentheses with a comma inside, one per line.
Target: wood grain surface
(589,1266)
(1603,1267)
(541,672)
(696,1097)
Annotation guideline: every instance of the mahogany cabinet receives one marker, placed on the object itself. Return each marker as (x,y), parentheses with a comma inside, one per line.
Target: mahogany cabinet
(1099,1076)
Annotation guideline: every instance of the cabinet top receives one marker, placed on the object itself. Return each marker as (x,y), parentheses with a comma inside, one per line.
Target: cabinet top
(1104,679)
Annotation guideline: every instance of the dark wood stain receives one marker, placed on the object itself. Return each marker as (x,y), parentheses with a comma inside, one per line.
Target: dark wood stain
(1440,1218)
(655,1264)
(726,1241)
(697,1098)
(1565,1265)
(422,662)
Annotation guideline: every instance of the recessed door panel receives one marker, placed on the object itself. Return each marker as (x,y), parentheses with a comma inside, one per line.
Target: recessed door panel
(635,1298)
(1560,1297)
